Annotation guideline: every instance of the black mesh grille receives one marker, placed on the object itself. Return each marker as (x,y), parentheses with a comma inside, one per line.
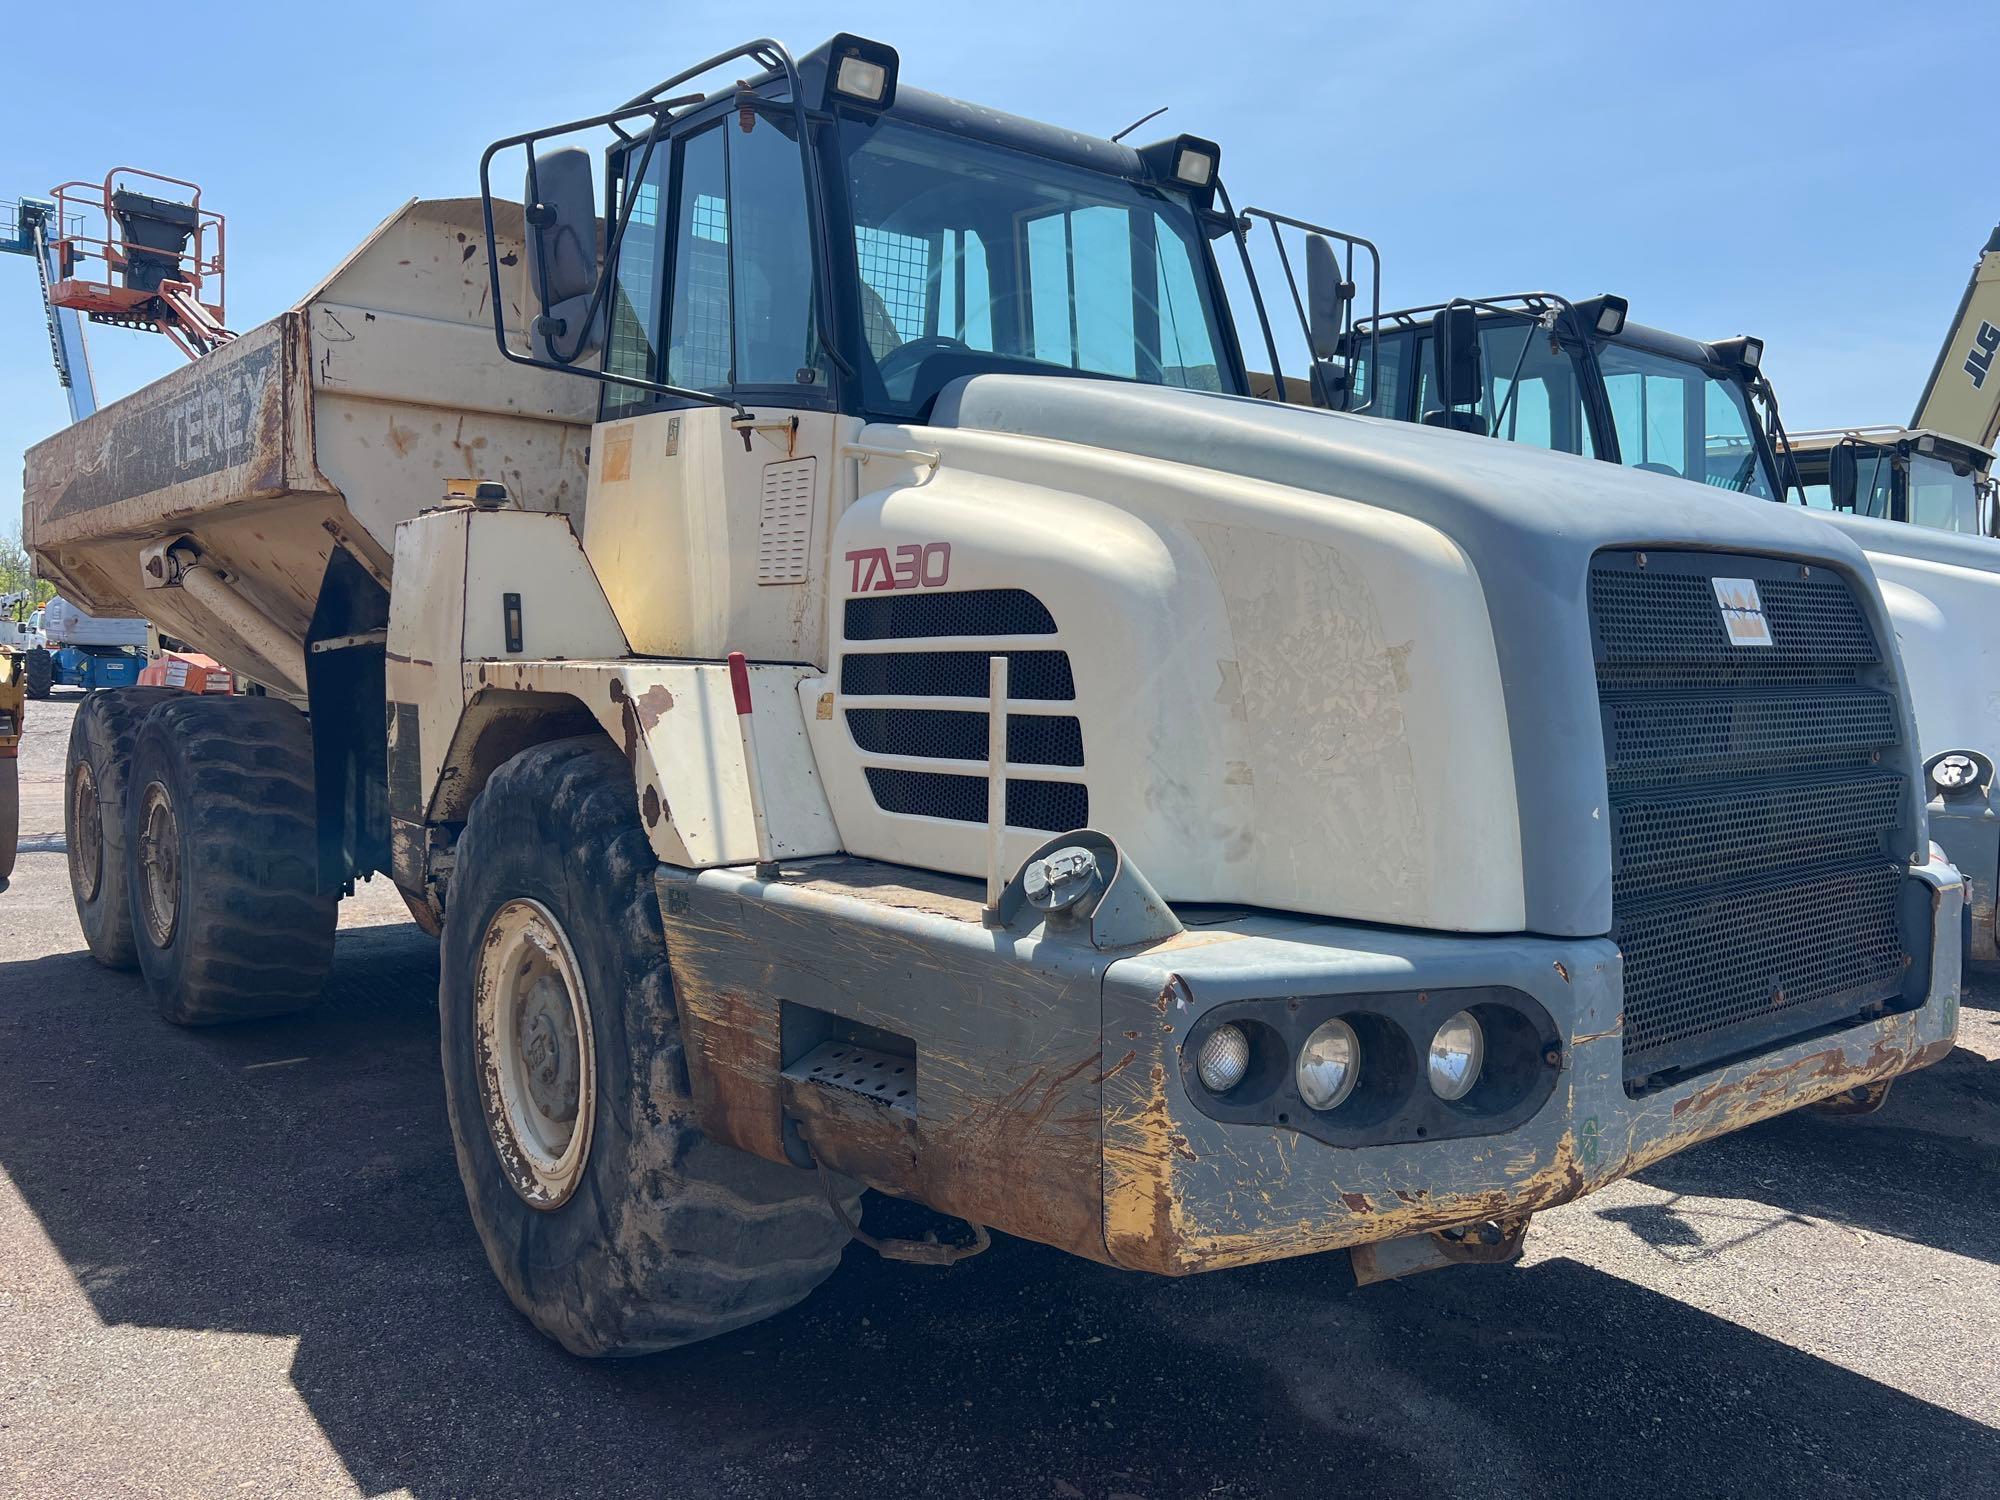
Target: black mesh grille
(1038,675)
(1749,968)
(1663,736)
(1757,807)
(946,734)
(1659,626)
(1053,806)
(1668,841)
(889,617)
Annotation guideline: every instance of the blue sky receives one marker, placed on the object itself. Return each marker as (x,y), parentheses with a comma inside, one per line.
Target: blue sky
(1821,175)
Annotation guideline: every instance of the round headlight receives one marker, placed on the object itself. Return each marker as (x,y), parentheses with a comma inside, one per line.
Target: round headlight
(1951,772)
(1328,1065)
(1223,1060)
(1458,1048)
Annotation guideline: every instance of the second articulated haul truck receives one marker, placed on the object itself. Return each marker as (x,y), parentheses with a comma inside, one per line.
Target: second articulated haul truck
(887,707)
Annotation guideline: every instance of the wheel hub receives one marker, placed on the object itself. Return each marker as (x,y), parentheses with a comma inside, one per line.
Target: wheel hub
(536,1065)
(159,864)
(86,817)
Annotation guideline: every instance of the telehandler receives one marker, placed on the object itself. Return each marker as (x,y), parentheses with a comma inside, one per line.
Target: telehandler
(866,696)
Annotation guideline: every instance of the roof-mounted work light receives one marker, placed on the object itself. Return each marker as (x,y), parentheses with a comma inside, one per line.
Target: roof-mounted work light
(1603,315)
(863,72)
(1187,161)
(1194,163)
(1746,353)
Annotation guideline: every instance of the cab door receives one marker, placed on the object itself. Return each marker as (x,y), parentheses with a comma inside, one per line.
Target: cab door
(708,532)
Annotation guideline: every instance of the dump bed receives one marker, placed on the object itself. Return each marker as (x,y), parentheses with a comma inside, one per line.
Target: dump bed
(320,429)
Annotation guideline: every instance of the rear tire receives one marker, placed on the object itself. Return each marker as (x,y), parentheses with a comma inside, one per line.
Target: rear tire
(642,1234)
(223,861)
(100,756)
(41,672)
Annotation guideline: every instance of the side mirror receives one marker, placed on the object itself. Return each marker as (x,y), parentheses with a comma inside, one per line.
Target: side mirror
(1843,477)
(1455,336)
(1327,297)
(561,210)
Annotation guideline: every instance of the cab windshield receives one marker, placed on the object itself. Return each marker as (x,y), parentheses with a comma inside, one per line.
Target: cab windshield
(1670,416)
(1674,417)
(972,257)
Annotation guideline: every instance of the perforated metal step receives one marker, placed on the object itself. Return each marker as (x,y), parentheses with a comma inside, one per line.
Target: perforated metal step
(883,1078)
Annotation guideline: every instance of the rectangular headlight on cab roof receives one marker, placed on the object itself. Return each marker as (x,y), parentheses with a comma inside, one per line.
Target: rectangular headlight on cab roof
(1194,166)
(861,71)
(861,79)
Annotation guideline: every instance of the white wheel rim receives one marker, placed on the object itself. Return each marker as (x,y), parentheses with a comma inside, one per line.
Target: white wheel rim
(87,820)
(537,1067)
(159,865)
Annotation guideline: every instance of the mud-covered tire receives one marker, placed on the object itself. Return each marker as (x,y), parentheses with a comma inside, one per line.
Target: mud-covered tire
(101,737)
(227,917)
(39,673)
(665,1237)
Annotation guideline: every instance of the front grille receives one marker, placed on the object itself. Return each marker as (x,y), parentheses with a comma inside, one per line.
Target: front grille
(1758,807)
(911,647)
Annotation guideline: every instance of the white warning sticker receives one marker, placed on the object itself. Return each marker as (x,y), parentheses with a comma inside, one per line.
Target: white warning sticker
(1742,611)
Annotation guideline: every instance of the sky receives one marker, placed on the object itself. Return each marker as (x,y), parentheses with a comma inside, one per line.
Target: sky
(1820,175)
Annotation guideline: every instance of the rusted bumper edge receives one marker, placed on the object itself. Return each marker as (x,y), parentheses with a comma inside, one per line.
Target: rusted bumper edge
(1185,1192)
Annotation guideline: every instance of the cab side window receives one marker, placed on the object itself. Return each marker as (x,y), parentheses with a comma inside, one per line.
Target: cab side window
(698,326)
(635,292)
(739,306)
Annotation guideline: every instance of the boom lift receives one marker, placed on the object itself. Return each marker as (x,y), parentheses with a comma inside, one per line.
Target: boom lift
(161,255)
(869,697)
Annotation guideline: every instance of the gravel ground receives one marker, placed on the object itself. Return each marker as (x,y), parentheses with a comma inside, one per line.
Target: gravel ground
(238,1262)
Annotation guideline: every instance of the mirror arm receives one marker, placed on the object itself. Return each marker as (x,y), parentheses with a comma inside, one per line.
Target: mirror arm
(1513,382)
(1236,232)
(1279,221)
(1766,396)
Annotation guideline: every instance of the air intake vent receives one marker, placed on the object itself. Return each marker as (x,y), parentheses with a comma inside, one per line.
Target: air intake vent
(785,520)
(900,616)
(1032,740)
(1054,806)
(1040,675)
(872,680)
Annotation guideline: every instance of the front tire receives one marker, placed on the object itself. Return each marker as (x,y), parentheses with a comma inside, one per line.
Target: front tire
(615,1226)
(223,860)
(41,672)
(101,737)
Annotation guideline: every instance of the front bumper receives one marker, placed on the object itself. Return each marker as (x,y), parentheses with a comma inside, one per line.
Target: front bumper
(1186,1192)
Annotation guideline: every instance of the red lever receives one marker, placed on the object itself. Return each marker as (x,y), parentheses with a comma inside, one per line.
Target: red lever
(739,681)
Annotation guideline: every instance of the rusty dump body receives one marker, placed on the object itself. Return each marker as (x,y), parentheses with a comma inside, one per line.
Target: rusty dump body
(320,429)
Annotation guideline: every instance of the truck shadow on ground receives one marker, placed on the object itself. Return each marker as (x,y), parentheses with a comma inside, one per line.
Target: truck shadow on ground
(1903,1171)
(296,1179)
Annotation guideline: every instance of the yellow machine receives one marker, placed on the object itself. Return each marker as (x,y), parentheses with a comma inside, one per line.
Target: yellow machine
(1962,397)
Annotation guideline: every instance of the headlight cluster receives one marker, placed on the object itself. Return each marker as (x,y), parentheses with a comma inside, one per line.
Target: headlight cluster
(1367,1068)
